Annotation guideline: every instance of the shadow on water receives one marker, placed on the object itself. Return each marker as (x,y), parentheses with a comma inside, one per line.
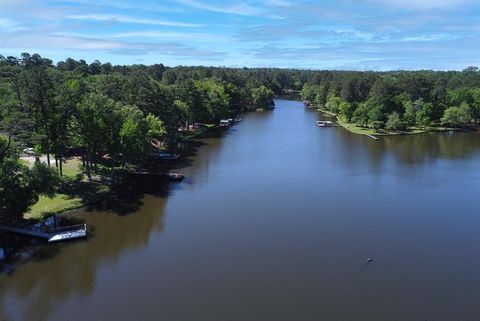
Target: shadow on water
(190,149)
(127,199)
(123,221)
(54,272)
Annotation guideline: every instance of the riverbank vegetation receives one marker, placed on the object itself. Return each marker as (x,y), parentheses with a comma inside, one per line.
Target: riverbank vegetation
(85,123)
(398,102)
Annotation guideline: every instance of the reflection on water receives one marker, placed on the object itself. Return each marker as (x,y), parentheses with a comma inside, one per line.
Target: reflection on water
(407,152)
(433,146)
(66,269)
(274,221)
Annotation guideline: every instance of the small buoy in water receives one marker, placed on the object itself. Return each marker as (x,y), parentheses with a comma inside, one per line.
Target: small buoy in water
(369,260)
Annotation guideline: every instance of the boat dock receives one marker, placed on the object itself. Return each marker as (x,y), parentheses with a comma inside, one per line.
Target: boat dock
(51,235)
(172,175)
(373,137)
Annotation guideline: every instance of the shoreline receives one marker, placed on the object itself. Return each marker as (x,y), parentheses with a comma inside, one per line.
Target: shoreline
(365,131)
(109,190)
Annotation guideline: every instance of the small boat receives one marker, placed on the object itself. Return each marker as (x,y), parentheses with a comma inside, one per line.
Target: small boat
(165,156)
(324,123)
(225,123)
(175,176)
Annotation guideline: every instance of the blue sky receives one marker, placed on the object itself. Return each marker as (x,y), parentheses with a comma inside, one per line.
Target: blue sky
(342,34)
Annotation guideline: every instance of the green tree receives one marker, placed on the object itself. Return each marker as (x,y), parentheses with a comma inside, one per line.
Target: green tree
(394,122)
(376,113)
(410,115)
(262,97)
(333,103)
(424,114)
(20,187)
(321,96)
(457,116)
(309,92)
(360,115)
(346,110)
(91,116)
(132,135)
(68,97)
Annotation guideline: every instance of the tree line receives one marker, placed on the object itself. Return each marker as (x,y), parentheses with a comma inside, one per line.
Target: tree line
(400,99)
(100,111)
(122,113)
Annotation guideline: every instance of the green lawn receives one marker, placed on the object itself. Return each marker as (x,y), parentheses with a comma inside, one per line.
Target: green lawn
(381,132)
(59,203)
(76,192)
(24,162)
(72,167)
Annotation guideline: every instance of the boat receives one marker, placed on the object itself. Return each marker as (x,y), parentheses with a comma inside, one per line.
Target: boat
(324,123)
(175,176)
(225,123)
(306,103)
(165,156)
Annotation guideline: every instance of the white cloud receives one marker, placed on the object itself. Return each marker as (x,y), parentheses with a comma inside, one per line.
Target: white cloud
(190,36)
(26,41)
(427,38)
(237,9)
(422,4)
(144,5)
(9,25)
(279,3)
(126,19)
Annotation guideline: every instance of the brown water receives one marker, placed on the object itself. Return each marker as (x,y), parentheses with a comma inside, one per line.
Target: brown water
(275,222)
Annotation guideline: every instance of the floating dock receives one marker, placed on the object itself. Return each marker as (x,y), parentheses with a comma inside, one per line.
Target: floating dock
(373,137)
(52,235)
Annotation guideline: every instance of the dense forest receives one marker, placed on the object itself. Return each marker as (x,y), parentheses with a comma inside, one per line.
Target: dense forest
(100,111)
(124,113)
(399,100)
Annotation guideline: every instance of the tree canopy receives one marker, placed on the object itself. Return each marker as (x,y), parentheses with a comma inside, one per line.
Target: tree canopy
(124,112)
(399,98)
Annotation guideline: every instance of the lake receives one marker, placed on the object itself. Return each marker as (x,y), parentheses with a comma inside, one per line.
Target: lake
(275,221)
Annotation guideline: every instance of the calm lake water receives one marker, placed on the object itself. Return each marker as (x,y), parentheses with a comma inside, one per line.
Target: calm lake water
(275,221)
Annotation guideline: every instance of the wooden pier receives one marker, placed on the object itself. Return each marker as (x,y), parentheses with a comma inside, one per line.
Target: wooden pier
(52,235)
(373,137)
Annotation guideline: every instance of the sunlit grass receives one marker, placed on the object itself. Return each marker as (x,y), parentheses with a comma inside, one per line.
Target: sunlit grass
(59,203)
(72,167)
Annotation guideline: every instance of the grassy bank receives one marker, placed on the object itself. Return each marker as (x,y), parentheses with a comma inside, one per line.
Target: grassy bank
(354,128)
(77,191)
(196,133)
(360,130)
(47,206)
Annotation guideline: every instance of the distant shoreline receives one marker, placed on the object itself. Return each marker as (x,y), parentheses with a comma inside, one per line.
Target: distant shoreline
(355,129)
